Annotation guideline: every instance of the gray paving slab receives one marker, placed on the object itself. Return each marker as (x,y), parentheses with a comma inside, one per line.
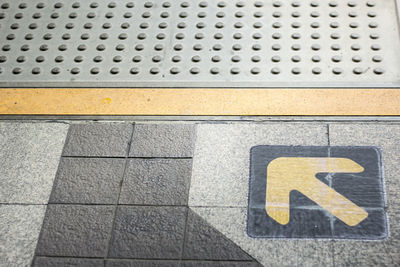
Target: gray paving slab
(203,242)
(29,156)
(66,262)
(156,182)
(269,252)
(220,175)
(163,140)
(75,230)
(98,140)
(19,230)
(387,137)
(148,232)
(220,182)
(88,181)
(142,263)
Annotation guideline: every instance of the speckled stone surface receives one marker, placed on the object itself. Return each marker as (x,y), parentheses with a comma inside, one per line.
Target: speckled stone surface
(156,182)
(387,137)
(222,157)
(29,156)
(19,230)
(88,181)
(98,140)
(75,230)
(163,140)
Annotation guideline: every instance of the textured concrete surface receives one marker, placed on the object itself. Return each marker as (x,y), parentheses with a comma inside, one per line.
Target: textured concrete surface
(19,230)
(156,182)
(88,181)
(221,160)
(148,232)
(98,140)
(163,140)
(29,156)
(387,137)
(75,230)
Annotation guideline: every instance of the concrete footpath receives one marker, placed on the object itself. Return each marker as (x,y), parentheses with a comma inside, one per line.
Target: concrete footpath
(170,193)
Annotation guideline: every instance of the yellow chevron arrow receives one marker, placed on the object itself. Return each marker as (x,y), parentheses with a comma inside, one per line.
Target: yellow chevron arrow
(295,173)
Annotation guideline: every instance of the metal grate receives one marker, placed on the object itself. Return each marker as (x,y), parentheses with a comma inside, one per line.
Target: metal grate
(178,43)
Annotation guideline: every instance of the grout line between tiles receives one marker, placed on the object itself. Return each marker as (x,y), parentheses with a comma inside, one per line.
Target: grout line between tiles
(187,198)
(119,194)
(140,259)
(23,204)
(184,235)
(331,219)
(110,157)
(327,133)
(112,204)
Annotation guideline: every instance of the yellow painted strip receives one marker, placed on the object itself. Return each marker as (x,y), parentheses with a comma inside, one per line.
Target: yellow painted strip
(117,101)
(287,174)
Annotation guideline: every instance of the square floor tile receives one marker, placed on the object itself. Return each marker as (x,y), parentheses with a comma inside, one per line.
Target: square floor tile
(19,231)
(88,181)
(163,140)
(29,156)
(156,182)
(75,230)
(148,232)
(98,140)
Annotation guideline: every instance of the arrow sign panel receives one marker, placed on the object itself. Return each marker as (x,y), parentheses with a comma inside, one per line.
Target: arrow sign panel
(298,173)
(316,192)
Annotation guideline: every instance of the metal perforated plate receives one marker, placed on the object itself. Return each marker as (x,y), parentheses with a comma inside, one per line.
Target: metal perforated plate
(231,43)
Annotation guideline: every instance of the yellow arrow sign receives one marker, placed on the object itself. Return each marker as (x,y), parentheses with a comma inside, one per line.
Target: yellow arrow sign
(294,173)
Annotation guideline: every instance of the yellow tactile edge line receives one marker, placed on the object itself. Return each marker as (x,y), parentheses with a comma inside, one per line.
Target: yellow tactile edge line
(218,101)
